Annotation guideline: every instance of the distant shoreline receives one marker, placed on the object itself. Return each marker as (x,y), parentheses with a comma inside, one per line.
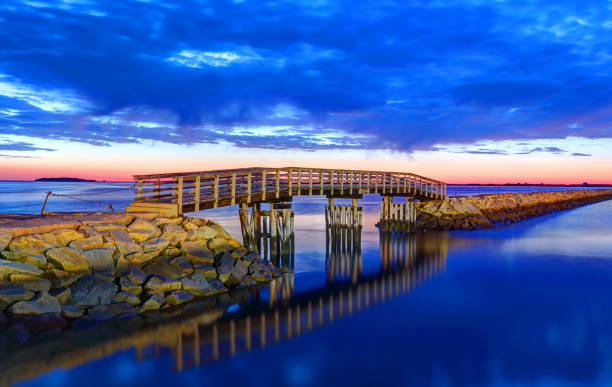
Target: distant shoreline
(65,179)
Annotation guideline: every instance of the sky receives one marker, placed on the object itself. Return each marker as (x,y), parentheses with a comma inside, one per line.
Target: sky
(461,91)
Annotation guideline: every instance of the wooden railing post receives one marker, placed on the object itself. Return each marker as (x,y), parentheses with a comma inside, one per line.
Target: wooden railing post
(290,178)
(197,193)
(341,182)
(249,177)
(179,193)
(233,188)
(216,192)
(277,183)
(384,188)
(263,184)
(139,189)
(310,182)
(331,179)
(320,182)
(299,171)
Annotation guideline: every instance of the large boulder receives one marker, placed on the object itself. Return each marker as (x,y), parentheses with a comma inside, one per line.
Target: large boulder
(155,244)
(178,297)
(206,269)
(231,271)
(89,243)
(100,260)
(153,302)
(42,303)
(163,269)
(60,278)
(92,290)
(63,295)
(7,268)
(184,264)
(33,244)
(132,273)
(163,284)
(201,233)
(69,259)
(128,297)
(141,230)
(219,246)
(128,286)
(124,242)
(198,285)
(197,252)
(173,233)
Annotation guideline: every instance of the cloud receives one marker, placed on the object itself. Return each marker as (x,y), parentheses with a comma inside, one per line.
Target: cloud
(19,146)
(404,75)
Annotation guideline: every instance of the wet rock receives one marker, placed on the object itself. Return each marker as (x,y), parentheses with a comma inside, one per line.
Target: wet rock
(128,297)
(7,268)
(260,272)
(41,303)
(239,252)
(33,244)
(142,230)
(134,274)
(60,278)
(39,261)
(155,244)
(35,284)
(225,264)
(92,290)
(11,292)
(230,270)
(71,311)
(154,302)
(219,246)
(196,252)
(110,311)
(178,297)
(100,260)
(163,284)
(183,263)
(63,295)
(206,269)
(198,285)
(124,242)
(172,252)
(174,234)
(89,243)
(128,286)
(66,235)
(5,238)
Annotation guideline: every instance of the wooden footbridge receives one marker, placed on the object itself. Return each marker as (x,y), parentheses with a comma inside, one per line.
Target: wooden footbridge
(178,193)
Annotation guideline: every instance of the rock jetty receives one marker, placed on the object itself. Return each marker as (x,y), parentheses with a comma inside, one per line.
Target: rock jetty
(486,211)
(73,270)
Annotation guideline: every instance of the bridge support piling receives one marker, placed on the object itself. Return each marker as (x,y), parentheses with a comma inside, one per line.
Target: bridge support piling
(397,217)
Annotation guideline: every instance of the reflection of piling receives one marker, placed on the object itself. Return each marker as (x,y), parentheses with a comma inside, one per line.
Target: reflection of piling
(343,242)
(397,216)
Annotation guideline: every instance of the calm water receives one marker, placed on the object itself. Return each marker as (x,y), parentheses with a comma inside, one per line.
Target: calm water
(524,304)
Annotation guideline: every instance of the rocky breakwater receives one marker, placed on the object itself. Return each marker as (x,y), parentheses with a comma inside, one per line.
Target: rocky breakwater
(74,270)
(486,211)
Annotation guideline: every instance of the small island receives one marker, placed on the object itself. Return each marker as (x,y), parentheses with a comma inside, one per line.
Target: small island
(65,179)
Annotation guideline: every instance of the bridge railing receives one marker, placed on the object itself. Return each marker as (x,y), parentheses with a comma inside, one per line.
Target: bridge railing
(227,187)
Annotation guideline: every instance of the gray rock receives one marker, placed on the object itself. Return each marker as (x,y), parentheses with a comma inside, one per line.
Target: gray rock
(42,303)
(197,252)
(163,284)
(107,312)
(63,295)
(69,259)
(178,297)
(142,230)
(206,269)
(134,274)
(155,244)
(184,264)
(219,246)
(239,252)
(231,271)
(92,290)
(100,260)
(201,233)
(250,258)
(71,311)
(124,242)
(60,278)
(128,297)
(88,243)
(11,292)
(35,284)
(198,285)
(39,261)
(128,286)
(7,268)
(163,269)
(154,302)
(33,244)
(174,234)
(260,272)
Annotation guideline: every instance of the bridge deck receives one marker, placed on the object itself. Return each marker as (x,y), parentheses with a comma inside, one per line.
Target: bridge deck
(194,191)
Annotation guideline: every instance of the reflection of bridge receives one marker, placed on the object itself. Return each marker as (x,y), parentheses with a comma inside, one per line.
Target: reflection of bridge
(205,331)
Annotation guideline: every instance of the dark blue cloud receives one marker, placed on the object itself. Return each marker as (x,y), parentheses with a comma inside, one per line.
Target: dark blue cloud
(342,74)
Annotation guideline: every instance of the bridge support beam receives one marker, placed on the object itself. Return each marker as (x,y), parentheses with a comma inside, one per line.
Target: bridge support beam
(397,216)
(343,216)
